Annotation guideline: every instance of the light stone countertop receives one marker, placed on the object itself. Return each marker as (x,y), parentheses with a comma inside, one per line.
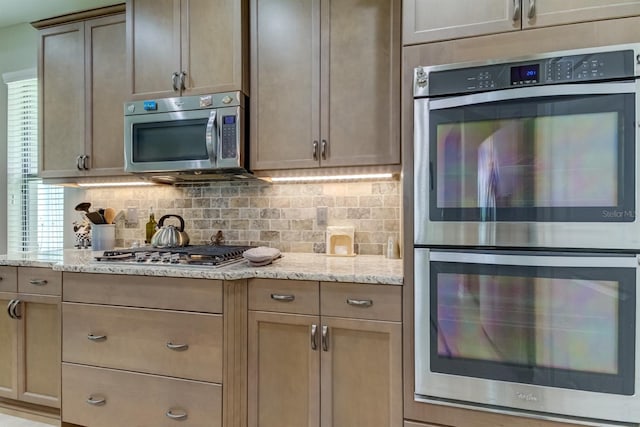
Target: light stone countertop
(293,266)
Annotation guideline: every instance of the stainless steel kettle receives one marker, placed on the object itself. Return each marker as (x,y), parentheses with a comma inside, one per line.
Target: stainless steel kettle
(168,236)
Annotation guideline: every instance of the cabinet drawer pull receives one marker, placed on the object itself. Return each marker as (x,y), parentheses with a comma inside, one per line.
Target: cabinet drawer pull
(516,11)
(283,298)
(10,308)
(177,347)
(38,282)
(98,338)
(360,302)
(325,338)
(177,414)
(14,310)
(532,9)
(96,401)
(314,337)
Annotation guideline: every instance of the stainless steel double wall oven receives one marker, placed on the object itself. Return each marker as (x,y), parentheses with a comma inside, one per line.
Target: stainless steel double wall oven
(527,236)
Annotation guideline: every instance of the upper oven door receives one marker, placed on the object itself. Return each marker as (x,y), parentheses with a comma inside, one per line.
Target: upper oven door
(171,141)
(547,166)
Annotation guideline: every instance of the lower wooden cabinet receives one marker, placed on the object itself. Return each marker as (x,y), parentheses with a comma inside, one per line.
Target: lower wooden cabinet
(99,397)
(30,336)
(322,371)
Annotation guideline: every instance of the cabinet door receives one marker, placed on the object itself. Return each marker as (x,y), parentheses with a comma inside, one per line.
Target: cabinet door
(153,47)
(8,350)
(106,62)
(284,370)
(39,349)
(366,393)
(431,20)
(285,83)
(61,103)
(212,36)
(360,113)
(541,13)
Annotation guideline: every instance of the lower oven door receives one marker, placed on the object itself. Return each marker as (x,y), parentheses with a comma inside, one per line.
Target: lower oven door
(544,332)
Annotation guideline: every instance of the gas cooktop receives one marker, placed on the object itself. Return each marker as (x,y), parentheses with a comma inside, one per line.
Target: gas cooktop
(209,255)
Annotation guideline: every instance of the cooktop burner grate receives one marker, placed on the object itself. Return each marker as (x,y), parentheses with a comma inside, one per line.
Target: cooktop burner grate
(210,255)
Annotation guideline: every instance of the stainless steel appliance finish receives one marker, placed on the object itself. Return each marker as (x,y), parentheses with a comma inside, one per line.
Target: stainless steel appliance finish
(186,138)
(537,151)
(196,255)
(563,355)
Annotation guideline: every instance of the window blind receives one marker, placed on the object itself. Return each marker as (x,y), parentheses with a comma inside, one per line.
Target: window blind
(35,211)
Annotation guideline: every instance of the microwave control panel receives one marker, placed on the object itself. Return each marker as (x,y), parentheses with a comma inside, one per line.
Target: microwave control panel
(229,136)
(578,68)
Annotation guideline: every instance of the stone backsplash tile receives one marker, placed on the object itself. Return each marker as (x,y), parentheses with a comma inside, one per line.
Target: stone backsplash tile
(260,213)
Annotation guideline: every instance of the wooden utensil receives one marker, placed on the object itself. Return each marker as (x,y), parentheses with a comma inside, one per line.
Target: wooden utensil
(109,215)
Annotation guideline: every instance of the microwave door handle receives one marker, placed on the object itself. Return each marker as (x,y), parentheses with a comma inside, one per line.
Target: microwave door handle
(211,134)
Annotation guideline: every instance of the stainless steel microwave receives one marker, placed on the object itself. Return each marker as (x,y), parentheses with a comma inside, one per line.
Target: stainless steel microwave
(188,137)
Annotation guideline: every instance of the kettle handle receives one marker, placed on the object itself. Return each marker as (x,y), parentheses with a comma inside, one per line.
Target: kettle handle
(161,221)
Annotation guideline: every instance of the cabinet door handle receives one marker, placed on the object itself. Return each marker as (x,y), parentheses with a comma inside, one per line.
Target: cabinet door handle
(85,162)
(532,9)
(14,309)
(314,337)
(177,347)
(183,77)
(314,152)
(360,302)
(177,414)
(9,309)
(323,150)
(174,82)
(325,338)
(96,401)
(96,338)
(283,298)
(38,282)
(78,163)
(516,11)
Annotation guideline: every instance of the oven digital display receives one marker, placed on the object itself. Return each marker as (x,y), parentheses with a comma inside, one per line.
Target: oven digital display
(525,74)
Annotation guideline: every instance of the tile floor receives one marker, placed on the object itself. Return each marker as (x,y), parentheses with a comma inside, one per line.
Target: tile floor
(9,421)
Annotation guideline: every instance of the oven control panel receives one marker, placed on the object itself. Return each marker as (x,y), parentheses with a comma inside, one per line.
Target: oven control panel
(542,70)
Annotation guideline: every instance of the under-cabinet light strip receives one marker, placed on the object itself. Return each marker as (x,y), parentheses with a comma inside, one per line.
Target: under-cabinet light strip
(116,184)
(331,177)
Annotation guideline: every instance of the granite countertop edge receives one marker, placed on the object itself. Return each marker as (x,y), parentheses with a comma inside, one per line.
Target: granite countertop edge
(369,269)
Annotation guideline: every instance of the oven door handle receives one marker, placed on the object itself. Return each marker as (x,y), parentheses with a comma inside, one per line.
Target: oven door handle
(211,133)
(534,92)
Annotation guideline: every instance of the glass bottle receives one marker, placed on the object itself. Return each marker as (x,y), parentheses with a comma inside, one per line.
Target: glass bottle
(150,226)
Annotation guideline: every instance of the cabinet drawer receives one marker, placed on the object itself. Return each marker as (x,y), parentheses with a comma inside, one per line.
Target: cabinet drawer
(8,279)
(132,399)
(37,280)
(284,296)
(375,302)
(170,293)
(138,339)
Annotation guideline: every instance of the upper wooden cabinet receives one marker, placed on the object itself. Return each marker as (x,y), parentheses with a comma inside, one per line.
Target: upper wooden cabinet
(324,83)
(185,47)
(81,92)
(432,20)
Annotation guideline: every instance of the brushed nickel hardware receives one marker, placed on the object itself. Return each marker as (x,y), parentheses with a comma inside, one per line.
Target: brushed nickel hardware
(532,9)
(324,149)
(96,402)
(38,282)
(360,302)
(96,338)
(314,337)
(325,338)
(182,415)
(227,99)
(177,347)
(283,298)
(183,75)
(14,309)
(78,164)
(516,11)
(85,162)
(174,83)
(315,150)
(9,309)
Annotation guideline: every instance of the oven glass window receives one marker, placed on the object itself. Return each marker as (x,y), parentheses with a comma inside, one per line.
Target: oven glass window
(170,141)
(567,159)
(551,326)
